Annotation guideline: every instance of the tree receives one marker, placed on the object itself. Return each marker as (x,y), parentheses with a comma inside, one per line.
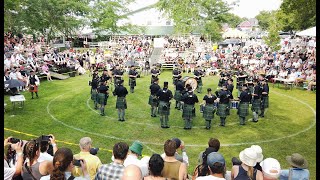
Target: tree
(303,12)
(273,38)
(232,19)
(264,18)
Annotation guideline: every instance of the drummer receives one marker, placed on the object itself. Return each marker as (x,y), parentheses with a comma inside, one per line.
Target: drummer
(154,73)
(117,75)
(223,78)
(256,100)
(249,81)
(178,93)
(198,73)
(176,73)
(241,77)
(209,109)
(243,110)
(224,97)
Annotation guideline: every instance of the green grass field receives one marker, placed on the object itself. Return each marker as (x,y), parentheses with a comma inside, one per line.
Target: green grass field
(66,110)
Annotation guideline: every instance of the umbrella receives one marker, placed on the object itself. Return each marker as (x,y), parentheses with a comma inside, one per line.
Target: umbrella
(308,32)
(12,83)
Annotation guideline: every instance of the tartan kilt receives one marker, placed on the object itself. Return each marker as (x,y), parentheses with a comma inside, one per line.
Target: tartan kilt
(265,102)
(121,103)
(101,98)
(35,88)
(187,112)
(153,101)
(94,95)
(256,105)
(132,82)
(162,110)
(243,109)
(177,95)
(199,81)
(208,112)
(223,110)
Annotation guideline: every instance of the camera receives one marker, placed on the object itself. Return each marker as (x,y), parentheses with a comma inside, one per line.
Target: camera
(76,162)
(45,138)
(14,140)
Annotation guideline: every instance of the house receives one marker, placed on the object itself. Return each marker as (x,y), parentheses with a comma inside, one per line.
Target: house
(249,25)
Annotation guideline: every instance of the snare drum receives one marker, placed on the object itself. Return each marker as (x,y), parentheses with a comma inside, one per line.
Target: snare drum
(234,104)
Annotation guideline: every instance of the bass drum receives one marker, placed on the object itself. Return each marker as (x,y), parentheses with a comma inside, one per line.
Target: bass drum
(189,80)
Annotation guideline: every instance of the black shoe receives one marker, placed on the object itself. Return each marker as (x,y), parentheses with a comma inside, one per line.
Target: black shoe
(222,125)
(119,119)
(255,121)
(261,115)
(242,124)
(102,114)
(32,98)
(122,120)
(167,127)
(207,128)
(95,108)
(163,127)
(179,109)
(176,107)
(185,128)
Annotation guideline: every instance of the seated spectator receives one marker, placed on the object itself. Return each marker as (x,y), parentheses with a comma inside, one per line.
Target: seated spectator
(313,80)
(180,145)
(156,165)
(172,167)
(214,143)
(298,169)
(270,169)
(132,172)
(203,168)
(63,165)
(135,151)
(15,170)
(115,169)
(45,70)
(92,162)
(217,167)
(248,158)
(34,169)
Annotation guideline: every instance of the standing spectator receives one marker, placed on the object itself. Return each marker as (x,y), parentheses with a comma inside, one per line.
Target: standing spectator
(172,167)
(156,165)
(270,169)
(135,151)
(298,169)
(63,166)
(11,172)
(114,170)
(217,167)
(92,162)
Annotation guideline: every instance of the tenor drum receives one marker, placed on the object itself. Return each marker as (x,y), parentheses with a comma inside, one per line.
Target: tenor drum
(189,80)
(234,104)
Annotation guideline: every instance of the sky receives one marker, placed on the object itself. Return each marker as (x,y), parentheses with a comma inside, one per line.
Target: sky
(245,8)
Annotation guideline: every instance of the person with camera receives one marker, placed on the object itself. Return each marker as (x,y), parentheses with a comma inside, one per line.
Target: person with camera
(64,163)
(223,110)
(121,104)
(132,78)
(92,162)
(102,96)
(45,147)
(34,82)
(164,95)
(243,109)
(15,170)
(198,73)
(188,99)
(153,100)
(178,93)
(209,109)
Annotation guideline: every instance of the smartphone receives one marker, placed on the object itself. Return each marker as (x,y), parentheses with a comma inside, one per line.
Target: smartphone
(76,162)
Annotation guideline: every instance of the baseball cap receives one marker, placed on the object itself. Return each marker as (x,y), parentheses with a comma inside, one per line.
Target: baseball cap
(215,157)
(271,167)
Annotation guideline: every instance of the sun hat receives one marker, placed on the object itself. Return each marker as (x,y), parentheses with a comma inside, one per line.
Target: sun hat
(271,167)
(215,157)
(136,147)
(248,156)
(258,151)
(297,160)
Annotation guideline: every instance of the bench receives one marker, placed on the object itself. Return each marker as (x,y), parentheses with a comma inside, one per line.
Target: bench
(71,73)
(167,66)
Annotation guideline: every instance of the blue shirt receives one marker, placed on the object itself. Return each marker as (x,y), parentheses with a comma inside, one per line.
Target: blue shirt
(295,173)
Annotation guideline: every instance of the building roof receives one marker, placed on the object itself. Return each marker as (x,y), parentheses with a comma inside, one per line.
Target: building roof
(245,24)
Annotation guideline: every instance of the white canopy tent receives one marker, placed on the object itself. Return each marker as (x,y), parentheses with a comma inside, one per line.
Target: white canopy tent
(234,33)
(308,32)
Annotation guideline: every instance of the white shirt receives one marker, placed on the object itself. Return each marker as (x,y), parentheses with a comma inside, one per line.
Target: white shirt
(13,75)
(67,175)
(8,172)
(7,63)
(210,177)
(143,165)
(45,156)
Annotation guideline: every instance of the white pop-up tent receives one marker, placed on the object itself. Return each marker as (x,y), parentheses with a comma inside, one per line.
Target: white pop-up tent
(308,32)
(234,33)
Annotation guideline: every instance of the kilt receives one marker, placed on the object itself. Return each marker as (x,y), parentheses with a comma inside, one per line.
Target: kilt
(101,98)
(177,95)
(199,81)
(164,108)
(243,109)
(256,105)
(94,95)
(187,112)
(223,110)
(265,102)
(121,103)
(153,101)
(35,88)
(132,82)
(208,112)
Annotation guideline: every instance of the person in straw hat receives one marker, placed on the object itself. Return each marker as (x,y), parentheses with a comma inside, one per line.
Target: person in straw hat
(248,158)
(270,169)
(298,170)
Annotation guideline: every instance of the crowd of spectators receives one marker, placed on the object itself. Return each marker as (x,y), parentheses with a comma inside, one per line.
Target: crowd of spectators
(42,159)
